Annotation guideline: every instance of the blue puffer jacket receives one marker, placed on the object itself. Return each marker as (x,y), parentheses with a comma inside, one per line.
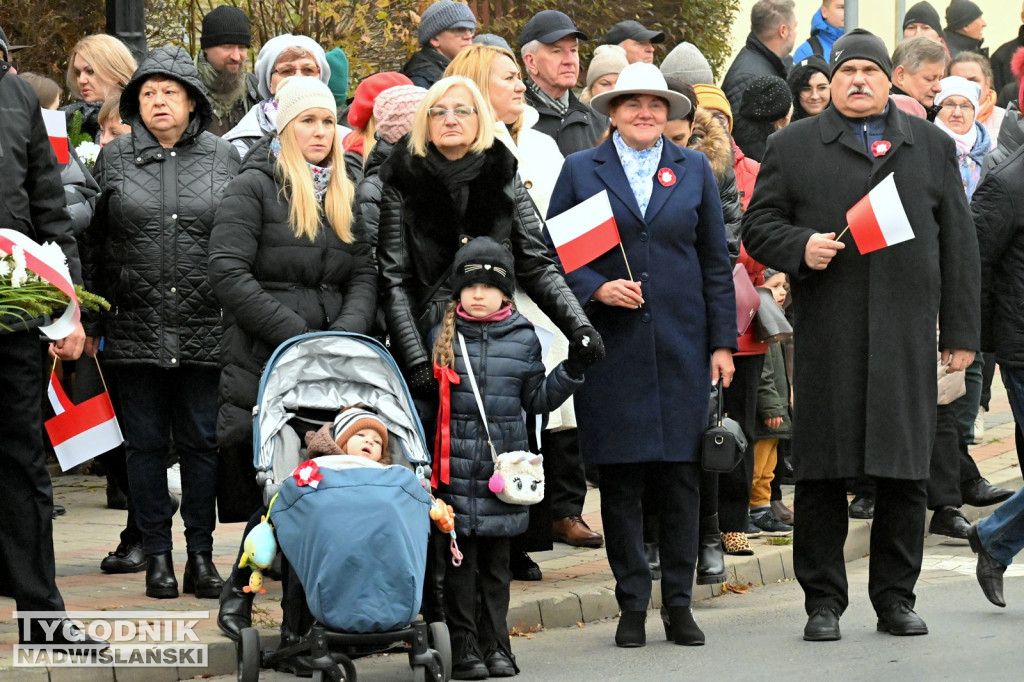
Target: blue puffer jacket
(507,364)
(827,35)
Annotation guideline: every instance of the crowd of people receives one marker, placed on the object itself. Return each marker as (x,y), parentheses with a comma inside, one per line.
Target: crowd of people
(230,211)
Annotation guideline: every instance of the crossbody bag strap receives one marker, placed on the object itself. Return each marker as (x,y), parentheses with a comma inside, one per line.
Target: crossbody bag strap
(476,394)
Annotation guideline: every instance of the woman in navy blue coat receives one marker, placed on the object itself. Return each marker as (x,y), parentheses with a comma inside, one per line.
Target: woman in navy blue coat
(668,336)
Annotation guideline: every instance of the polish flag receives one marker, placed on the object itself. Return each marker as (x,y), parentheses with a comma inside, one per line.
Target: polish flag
(57,130)
(81,432)
(584,232)
(879,219)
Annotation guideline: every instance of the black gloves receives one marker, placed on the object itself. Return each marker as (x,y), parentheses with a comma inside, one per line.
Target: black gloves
(585,348)
(422,383)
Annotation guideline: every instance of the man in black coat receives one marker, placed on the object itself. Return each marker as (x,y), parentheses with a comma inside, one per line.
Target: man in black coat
(446,29)
(1001,73)
(31,203)
(768,48)
(998,209)
(548,45)
(865,325)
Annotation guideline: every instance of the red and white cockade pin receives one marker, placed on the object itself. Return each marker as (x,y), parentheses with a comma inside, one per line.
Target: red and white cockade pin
(666,177)
(308,473)
(880,147)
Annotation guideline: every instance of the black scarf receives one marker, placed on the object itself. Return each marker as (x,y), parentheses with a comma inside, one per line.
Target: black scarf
(455,175)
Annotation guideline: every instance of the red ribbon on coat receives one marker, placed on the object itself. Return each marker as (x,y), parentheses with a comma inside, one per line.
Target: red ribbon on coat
(446,376)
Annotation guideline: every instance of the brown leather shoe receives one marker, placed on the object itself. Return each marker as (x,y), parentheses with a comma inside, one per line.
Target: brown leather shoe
(573,530)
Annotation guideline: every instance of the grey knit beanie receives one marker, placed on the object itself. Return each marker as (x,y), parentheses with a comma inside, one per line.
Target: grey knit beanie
(442,15)
(686,61)
(273,48)
(767,98)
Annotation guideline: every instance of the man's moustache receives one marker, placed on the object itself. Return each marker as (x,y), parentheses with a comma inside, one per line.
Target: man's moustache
(860,90)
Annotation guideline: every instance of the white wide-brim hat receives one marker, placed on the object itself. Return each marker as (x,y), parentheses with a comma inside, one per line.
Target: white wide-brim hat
(643,79)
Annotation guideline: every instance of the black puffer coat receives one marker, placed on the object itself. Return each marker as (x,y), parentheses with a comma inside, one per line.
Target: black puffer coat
(419,233)
(274,285)
(147,247)
(425,67)
(369,191)
(998,210)
(510,375)
(710,138)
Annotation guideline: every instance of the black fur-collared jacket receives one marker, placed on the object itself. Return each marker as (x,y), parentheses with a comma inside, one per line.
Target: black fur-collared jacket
(420,231)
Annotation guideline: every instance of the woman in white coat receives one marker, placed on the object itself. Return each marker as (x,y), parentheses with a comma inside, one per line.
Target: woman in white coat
(496,73)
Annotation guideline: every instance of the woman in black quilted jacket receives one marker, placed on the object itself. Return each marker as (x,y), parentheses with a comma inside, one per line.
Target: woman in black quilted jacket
(283,262)
(146,252)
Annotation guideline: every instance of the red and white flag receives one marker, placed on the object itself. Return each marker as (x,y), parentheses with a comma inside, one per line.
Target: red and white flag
(57,130)
(879,219)
(81,432)
(584,232)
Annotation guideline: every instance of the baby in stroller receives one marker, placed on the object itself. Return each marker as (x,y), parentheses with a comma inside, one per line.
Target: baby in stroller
(356,431)
(351,511)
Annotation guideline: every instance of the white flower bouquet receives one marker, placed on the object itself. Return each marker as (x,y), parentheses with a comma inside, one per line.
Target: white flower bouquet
(25,296)
(88,152)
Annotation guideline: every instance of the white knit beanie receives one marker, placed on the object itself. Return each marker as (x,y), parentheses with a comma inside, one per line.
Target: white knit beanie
(958,85)
(607,59)
(271,51)
(299,93)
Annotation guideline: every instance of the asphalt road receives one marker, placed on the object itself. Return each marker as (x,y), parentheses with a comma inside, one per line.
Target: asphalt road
(756,636)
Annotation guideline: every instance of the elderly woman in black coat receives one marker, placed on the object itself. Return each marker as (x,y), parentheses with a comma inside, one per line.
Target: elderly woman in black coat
(146,252)
(451,181)
(283,263)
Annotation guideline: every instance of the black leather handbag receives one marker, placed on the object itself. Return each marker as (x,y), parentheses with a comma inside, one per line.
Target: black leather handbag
(723,444)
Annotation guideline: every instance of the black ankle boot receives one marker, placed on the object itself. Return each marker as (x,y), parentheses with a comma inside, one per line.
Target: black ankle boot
(160,580)
(201,576)
(235,608)
(710,558)
(630,631)
(680,627)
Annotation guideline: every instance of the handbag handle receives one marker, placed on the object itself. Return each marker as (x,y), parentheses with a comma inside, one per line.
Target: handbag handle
(476,394)
(721,399)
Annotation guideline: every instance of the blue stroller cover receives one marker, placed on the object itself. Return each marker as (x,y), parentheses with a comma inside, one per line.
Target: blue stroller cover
(358,542)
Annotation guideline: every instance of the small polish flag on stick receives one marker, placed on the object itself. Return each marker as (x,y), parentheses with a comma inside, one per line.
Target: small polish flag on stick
(879,219)
(585,232)
(81,432)
(57,130)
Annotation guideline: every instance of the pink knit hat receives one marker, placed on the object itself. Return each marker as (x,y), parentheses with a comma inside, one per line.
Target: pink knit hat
(394,110)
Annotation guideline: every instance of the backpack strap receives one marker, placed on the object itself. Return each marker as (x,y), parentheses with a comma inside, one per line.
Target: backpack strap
(816,47)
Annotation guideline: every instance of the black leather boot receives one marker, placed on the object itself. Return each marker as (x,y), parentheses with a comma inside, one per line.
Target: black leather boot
(160,580)
(201,576)
(710,557)
(235,606)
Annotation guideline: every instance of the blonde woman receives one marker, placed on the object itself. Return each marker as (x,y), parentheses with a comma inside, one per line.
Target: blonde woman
(283,262)
(559,515)
(99,67)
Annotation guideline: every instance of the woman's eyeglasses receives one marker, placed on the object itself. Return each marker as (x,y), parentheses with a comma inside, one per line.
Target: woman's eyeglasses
(966,107)
(438,113)
(289,71)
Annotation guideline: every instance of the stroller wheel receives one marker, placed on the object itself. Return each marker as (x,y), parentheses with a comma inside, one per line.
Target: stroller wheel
(248,649)
(441,642)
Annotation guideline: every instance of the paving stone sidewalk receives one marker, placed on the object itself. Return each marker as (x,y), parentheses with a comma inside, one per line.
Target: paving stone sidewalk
(577,585)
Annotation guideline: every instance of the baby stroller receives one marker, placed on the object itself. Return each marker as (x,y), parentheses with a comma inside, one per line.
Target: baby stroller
(361,562)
